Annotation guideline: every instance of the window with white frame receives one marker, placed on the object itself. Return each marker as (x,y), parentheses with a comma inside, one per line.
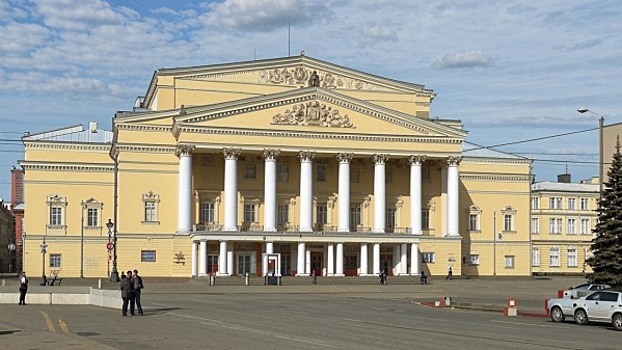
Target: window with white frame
(535,226)
(320,172)
(207,212)
(535,256)
(571,226)
(355,214)
(250,171)
(56,216)
(425,219)
(56,207)
(572,257)
(91,213)
(555,226)
(555,202)
(151,203)
(535,203)
(554,257)
(586,228)
(92,217)
(249,212)
(55,261)
(473,259)
(428,257)
(583,204)
(282,214)
(322,213)
(572,203)
(474,218)
(509,261)
(390,219)
(508,219)
(282,172)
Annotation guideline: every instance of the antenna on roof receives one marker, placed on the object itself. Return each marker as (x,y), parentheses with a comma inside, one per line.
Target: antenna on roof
(289,30)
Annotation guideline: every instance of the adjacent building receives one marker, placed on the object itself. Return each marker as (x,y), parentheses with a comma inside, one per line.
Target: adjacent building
(290,166)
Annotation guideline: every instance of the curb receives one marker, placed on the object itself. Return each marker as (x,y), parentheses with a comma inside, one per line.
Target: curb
(479,307)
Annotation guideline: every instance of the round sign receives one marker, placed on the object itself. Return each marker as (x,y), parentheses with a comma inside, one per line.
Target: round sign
(11,246)
(110,245)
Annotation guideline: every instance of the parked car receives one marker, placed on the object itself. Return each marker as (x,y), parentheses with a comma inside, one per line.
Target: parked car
(602,306)
(561,308)
(586,289)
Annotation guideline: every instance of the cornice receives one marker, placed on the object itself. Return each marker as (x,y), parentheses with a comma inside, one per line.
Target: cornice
(494,177)
(143,127)
(495,160)
(69,146)
(72,167)
(147,149)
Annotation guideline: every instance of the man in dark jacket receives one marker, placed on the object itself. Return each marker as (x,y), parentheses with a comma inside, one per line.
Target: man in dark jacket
(125,286)
(23,288)
(138,286)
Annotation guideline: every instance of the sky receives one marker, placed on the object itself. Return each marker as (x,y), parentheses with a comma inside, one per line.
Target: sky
(511,71)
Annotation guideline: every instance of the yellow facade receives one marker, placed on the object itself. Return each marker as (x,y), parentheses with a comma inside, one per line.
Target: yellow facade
(174,209)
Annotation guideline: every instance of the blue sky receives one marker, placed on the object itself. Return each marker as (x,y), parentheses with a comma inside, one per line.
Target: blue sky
(510,70)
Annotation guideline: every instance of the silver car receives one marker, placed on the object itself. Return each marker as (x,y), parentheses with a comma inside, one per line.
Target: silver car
(585,289)
(603,306)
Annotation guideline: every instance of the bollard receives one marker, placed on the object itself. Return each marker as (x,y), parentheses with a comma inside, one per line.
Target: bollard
(247,278)
(99,283)
(212,279)
(511,308)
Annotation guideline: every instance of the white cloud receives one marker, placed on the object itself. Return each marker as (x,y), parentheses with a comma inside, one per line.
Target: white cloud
(80,15)
(463,59)
(22,37)
(378,33)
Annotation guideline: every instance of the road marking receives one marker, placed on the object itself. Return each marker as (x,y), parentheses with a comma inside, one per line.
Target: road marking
(48,322)
(63,326)
(527,324)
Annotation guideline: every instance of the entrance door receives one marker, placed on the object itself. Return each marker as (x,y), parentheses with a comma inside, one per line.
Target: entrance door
(244,264)
(386,263)
(285,264)
(212,264)
(317,263)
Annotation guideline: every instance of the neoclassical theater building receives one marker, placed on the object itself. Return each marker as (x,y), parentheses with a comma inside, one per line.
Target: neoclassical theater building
(289,166)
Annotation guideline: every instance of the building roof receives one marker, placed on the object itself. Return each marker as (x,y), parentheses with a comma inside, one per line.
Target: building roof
(76,133)
(564,187)
(477,151)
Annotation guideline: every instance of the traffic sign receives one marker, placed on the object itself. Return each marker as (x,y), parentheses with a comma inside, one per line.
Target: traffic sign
(110,245)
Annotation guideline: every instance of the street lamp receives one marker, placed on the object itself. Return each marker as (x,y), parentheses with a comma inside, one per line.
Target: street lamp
(11,248)
(82,242)
(44,249)
(601,122)
(114,275)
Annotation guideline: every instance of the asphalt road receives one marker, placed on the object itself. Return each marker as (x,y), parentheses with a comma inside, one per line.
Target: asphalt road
(289,321)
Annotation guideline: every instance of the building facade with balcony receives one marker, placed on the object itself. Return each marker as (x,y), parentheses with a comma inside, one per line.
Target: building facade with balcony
(287,166)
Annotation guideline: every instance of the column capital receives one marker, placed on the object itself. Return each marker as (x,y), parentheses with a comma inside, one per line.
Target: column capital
(416,159)
(231,153)
(271,153)
(184,150)
(306,155)
(344,157)
(380,158)
(454,160)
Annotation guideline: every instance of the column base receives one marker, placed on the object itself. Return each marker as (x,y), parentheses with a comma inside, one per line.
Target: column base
(303,275)
(218,274)
(202,274)
(339,274)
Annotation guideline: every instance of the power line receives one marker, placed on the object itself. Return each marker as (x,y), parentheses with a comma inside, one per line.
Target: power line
(530,140)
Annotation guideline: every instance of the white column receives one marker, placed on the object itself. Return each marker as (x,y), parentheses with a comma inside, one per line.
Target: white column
(202,257)
(184,207)
(330,264)
(453,190)
(364,260)
(300,264)
(193,256)
(414,259)
(307,262)
(339,260)
(403,259)
(376,259)
(379,192)
(222,259)
(269,247)
(306,190)
(343,219)
(231,188)
(270,188)
(229,262)
(415,194)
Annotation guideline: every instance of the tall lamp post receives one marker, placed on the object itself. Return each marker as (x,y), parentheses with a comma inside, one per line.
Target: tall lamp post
(82,242)
(601,175)
(114,275)
(44,249)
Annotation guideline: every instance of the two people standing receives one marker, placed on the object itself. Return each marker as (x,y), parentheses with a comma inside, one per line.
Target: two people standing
(131,285)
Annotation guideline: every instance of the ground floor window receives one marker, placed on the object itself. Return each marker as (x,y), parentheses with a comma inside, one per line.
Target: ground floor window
(55,261)
(427,257)
(509,261)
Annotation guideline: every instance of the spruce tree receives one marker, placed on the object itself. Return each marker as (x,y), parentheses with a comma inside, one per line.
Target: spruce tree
(606,246)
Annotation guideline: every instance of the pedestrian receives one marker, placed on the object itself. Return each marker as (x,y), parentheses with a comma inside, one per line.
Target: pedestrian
(383,277)
(125,292)
(424,278)
(138,286)
(450,273)
(131,293)
(23,288)
(314,277)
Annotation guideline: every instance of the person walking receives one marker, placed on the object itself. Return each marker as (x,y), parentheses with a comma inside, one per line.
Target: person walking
(125,292)
(131,293)
(450,273)
(383,277)
(424,277)
(23,288)
(138,286)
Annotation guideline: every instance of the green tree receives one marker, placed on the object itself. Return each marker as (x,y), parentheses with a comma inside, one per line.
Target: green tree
(606,262)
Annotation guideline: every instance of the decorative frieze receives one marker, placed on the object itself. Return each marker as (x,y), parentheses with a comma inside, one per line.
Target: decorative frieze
(270,153)
(184,150)
(306,155)
(231,153)
(300,75)
(380,158)
(312,113)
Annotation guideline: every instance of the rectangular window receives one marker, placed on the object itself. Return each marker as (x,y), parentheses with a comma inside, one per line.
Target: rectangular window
(535,226)
(250,171)
(249,212)
(474,259)
(355,214)
(554,257)
(55,261)
(207,211)
(555,203)
(282,213)
(508,222)
(572,257)
(320,172)
(56,216)
(92,217)
(585,227)
(535,203)
(583,203)
(572,203)
(322,214)
(148,256)
(473,222)
(509,261)
(390,219)
(425,219)
(555,226)
(282,172)
(535,256)
(428,257)
(150,211)
(571,227)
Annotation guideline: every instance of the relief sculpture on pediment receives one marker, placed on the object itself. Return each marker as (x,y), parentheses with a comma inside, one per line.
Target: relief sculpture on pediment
(302,76)
(312,113)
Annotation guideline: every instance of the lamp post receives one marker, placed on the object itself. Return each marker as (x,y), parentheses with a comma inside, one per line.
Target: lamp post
(82,242)
(44,249)
(11,248)
(601,176)
(114,275)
